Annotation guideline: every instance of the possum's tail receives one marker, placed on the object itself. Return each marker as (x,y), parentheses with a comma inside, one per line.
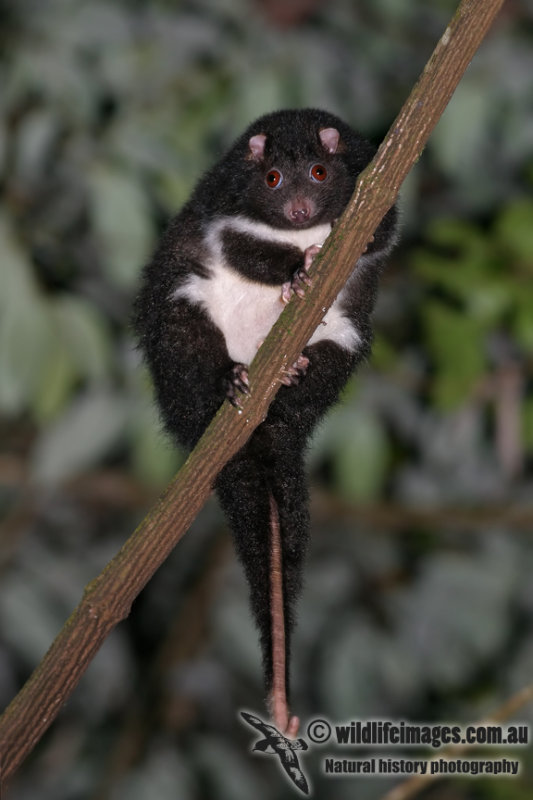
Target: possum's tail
(264,495)
(278,699)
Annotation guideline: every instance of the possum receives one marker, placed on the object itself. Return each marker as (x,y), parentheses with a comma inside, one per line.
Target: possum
(238,251)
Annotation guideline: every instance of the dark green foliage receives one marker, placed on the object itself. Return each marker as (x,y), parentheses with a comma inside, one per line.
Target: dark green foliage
(479,286)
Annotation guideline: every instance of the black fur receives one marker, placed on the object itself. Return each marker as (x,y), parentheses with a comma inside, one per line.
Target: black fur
(187,352)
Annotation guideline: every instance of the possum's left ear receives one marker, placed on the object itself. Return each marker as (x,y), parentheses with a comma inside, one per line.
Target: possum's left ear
(257,147)
(330,139)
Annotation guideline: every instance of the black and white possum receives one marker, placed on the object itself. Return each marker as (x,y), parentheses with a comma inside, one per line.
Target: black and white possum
(239,250)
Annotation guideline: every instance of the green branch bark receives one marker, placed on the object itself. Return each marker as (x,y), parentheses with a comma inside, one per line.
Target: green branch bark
(107,600)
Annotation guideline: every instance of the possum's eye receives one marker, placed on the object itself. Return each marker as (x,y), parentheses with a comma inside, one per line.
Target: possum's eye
(318,173)
(274,178)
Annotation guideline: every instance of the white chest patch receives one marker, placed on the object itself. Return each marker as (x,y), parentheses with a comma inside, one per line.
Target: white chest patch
(245,310)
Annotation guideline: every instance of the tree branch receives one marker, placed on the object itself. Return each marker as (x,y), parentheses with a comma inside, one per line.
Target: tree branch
(107,599)
(413,786)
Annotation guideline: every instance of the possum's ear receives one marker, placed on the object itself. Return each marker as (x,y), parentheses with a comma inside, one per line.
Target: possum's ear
(257,147)
(330,139)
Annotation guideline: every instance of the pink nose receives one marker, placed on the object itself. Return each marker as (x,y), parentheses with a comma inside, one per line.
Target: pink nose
(299,214)
(299,211)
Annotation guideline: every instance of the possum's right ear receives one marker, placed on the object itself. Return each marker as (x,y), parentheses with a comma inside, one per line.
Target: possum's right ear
(330,139)
(257,147)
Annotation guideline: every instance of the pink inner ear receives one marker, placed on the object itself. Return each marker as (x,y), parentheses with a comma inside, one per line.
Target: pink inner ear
(330,139)
(257,146)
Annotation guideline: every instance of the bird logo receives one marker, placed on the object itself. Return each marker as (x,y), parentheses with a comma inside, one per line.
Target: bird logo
(276,743)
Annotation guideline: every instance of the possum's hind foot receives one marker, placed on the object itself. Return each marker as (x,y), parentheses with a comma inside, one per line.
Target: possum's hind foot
(236,383)
(296,372)
(296,285)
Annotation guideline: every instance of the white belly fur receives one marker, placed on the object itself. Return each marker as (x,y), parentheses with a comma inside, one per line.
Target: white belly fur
(244,310)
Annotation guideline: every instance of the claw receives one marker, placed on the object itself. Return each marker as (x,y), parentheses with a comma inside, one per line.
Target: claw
(294,374)
(300,279)
(302,362)
(237,381)
(286,292)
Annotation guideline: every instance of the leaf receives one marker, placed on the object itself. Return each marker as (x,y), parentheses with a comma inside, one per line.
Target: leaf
(456,343)
(122,222)
(26,334)
(86,433)
(3,146)
(235,635)
(522,323)
(362,457)
(58,378)
(353,438)
(28,618)
(527,423)
(34,144)
(224,767)
(258,91)
(457,259)
(45,344)
(162,774)
(458,134)
(490,300)
(155,458)
(384,356)
(86,336)
(514,228)
(366,672)
(108,680)
(24,344)
(456,616)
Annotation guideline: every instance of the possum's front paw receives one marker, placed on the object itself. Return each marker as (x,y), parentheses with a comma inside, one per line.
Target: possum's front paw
(294,374)
(301,278)
(236,383)
(309,255)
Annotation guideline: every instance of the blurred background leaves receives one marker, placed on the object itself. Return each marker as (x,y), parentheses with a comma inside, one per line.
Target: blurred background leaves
(418,600)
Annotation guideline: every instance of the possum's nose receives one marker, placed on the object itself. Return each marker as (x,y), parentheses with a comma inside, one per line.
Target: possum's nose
(299,211)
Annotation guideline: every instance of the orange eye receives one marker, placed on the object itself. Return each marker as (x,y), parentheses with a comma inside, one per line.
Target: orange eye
(274,178)
(318,173)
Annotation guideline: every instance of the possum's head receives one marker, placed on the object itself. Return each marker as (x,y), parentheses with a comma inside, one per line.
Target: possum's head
(300,168)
